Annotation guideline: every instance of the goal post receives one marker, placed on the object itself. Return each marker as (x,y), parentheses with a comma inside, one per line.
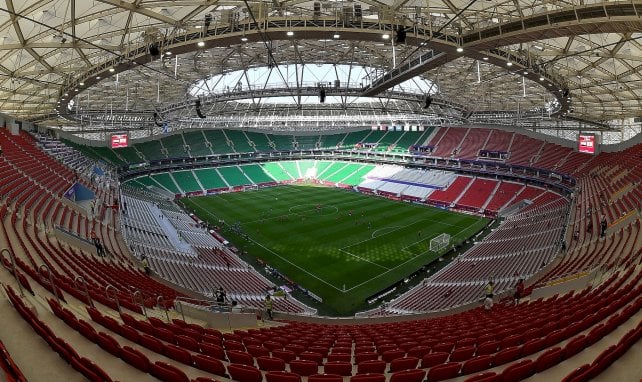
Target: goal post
(440,242)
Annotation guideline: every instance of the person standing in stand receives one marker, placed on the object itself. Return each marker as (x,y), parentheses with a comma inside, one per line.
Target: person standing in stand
(519,291)
(268,306)
(145,264)
(221,296)
(488,291)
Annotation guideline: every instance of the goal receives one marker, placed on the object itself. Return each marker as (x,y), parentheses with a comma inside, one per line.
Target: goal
(250,187)
(440,242)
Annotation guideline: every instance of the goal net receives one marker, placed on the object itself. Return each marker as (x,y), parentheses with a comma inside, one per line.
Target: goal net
(440,242)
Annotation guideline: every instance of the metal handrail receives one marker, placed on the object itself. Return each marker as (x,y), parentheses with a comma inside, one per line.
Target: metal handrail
(162,306)
(49,275)
(142,301)
(80,280)
(112,288)
(179,304)
(13,269)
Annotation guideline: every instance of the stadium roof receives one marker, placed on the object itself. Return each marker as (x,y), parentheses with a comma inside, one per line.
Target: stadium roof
(107,65)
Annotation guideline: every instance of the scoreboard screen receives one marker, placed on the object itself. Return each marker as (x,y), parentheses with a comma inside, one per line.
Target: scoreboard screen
(586,144)
(119,141)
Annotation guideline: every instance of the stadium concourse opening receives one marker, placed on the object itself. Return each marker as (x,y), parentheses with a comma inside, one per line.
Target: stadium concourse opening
(338,245)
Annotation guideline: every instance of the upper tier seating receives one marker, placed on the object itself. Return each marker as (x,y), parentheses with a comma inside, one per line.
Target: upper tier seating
(449,142)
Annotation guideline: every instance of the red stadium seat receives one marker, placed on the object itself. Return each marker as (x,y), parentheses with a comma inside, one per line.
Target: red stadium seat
(444,371)
(549,358)
(168,373)
(325,378)
(477,364)
(135,358)
(489,376)
(371,366)
(416,375)
(237,356)
(178,354)
(575,346)
(102,375)
(311,356)
(282,376)
(87,371)
(510,341)
(294,347)
(151,343)
(338,367)
(506,356)
(108,343)
(164,334)
(244,373)
(462,354)
(389,355)
(270,363)
(434,359)
(286,355)
(403,363)
(257,351)
(384,347)
(341,350)
(304,367)
(272,345)
(578,375)
(488,347)
(233,345)
(533,346)
(187,342)
(203,379)
(443,347)
(465,342)
(406,346)
(418,351)
(209,364)
(366,356)
(213,350)
(89,332)
(339,357)
(518,371)
(370,377)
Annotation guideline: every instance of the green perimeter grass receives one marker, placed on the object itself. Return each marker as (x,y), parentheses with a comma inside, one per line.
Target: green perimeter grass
(341,245)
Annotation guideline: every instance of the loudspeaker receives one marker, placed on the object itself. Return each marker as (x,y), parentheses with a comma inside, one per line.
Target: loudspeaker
(401,35)
(565,93)
(427,102)
(208,21)
(159,124)
(322,95)
(198,109)
(153,50)
(317,9)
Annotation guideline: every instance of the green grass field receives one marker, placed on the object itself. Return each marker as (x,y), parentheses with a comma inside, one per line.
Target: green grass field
(341,245)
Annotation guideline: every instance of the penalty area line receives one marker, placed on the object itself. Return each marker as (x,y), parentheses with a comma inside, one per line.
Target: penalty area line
(295,265)
(361,258)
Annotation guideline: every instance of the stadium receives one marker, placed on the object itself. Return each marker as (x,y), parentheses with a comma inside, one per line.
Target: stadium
(321,191)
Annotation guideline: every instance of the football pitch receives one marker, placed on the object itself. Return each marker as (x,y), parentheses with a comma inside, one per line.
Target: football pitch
(341,245)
